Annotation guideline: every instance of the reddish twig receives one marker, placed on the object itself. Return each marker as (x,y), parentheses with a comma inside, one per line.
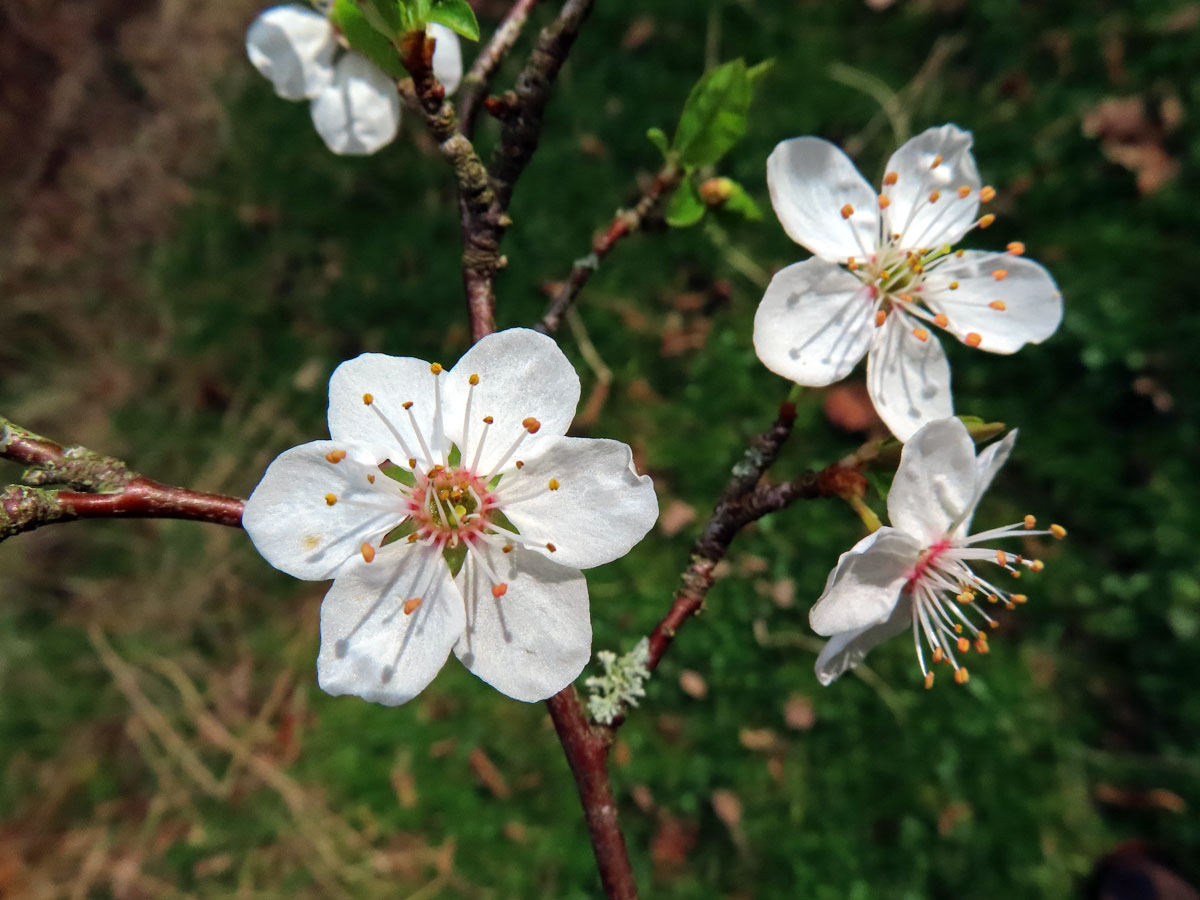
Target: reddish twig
(475,84)
(624,223)
(92,486)
(586,747)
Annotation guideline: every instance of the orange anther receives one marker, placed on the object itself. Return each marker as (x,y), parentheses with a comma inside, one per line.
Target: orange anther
(488,420)
(928,680)
(407,404)
(880,317)
(1016,248)
(941,320)
(1002,557)
(937,161)
(987,194)
(954,285)
(998,305)
(981,646)
(973,339)
(1030,521)
(368,399)
(884,202)
(368,552)
(920,334)
(330,499)
(1036,565)
(507,548)
(963,645)
(891,178)
(435,368)
(1019,598)
(960,253)
(531,425)
(335,456)
(935,196)
(553,485)
(411,606)
(938,654)
(370,479)
(964,191)
(1000,274)
(964,597)
(499,590)
(473,380)
(961,676)
(520,463)
(847,211)
(1058,531)
(985,221)
(412,462)
(551,548)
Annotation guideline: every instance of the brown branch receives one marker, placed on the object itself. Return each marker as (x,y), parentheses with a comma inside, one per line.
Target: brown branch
(624,223)
(523,119)
(95,486)
(475,85)
(586,747)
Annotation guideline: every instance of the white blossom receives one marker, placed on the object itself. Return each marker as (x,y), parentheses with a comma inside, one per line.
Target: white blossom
(453,514)
(355,105)
(917,573)
(884,274)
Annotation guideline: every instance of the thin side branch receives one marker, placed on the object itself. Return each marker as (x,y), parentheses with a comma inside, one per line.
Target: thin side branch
(68,483)
(624,223)
(477,81)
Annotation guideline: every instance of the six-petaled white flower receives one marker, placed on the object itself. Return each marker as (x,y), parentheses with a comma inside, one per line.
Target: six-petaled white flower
(884,273)
(452,514)
(916,573)
(355,106)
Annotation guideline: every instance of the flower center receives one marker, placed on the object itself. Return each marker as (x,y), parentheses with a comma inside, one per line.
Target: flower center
(449,505)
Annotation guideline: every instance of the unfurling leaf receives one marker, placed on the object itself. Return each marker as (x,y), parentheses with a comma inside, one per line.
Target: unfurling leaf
(714,116)
(364,37)
(658,138)
(685,207)
(742,203)
(456,15)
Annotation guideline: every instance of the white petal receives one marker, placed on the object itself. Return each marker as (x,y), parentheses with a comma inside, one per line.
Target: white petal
(522,374)
(600,509)
(535,639)
(293,525)
(1032,305)
(293,46)
(935,481)
(908,379)
(369,646)
(391,381)
(814,323)
(921,223)
(360,111)
(864,587)
(844,651)
(987,464)
(811,181)
(447,57)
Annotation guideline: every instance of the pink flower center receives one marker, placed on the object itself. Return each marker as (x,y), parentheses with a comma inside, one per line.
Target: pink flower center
(927,558)
(449,506)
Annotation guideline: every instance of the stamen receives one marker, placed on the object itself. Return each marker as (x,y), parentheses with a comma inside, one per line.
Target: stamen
(466,438)
(937,161)
(998,305)
(499,590)
(553,485)
(928,680)
(941,320)
(954,285)
(1058,531)
(891,178)
(411,606)
(847,211)
(880,317)
(934,196)
(417,430)
(530,425)
(961,676)
(920,334)
(884,201)
(551,548)
(487,423)
(369,400)
(1016,248)
(335,456)
(330,499)
(973,339)
(1000,274)
(987,194)
(1030,521)
(964,191)
(985,221)
(368,552)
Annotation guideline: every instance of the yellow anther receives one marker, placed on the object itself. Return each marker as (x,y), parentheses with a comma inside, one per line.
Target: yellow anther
(934,196)
(1019,598)
(937,161)
(880,317)
(941,320)
(473,380)
(961,676)
(998,305)
(891,178)
(488,420)
(920,334)
(531,424)
(928,680)
(368,399)
(988,194)
(368,552)
(960,253)
(1016,248)
(1000,274)
(1030,522)
(973,339)
(884,202)
(411,606)
(499,590)
(1036,565)
(963,645)
(847,211)
(407,404)
(958,629)
(985,221)
(335,456)
(954,285)
(435,368)
(938,654)
(964,191)
(964,597)
(412,538)
(992,598)
(551,548)
(1002,557)
(330,499)
(553,485)
(1058,531)
(981,646)
(370,479)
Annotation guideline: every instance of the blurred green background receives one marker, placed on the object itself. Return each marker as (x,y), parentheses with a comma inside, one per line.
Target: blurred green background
(184,263)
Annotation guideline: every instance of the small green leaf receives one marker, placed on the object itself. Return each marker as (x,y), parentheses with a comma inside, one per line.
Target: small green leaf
(714,115)
(757,73)
(458,16)
(385,16)
(742,203)
(365,37)
(685,207)
(658,138)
